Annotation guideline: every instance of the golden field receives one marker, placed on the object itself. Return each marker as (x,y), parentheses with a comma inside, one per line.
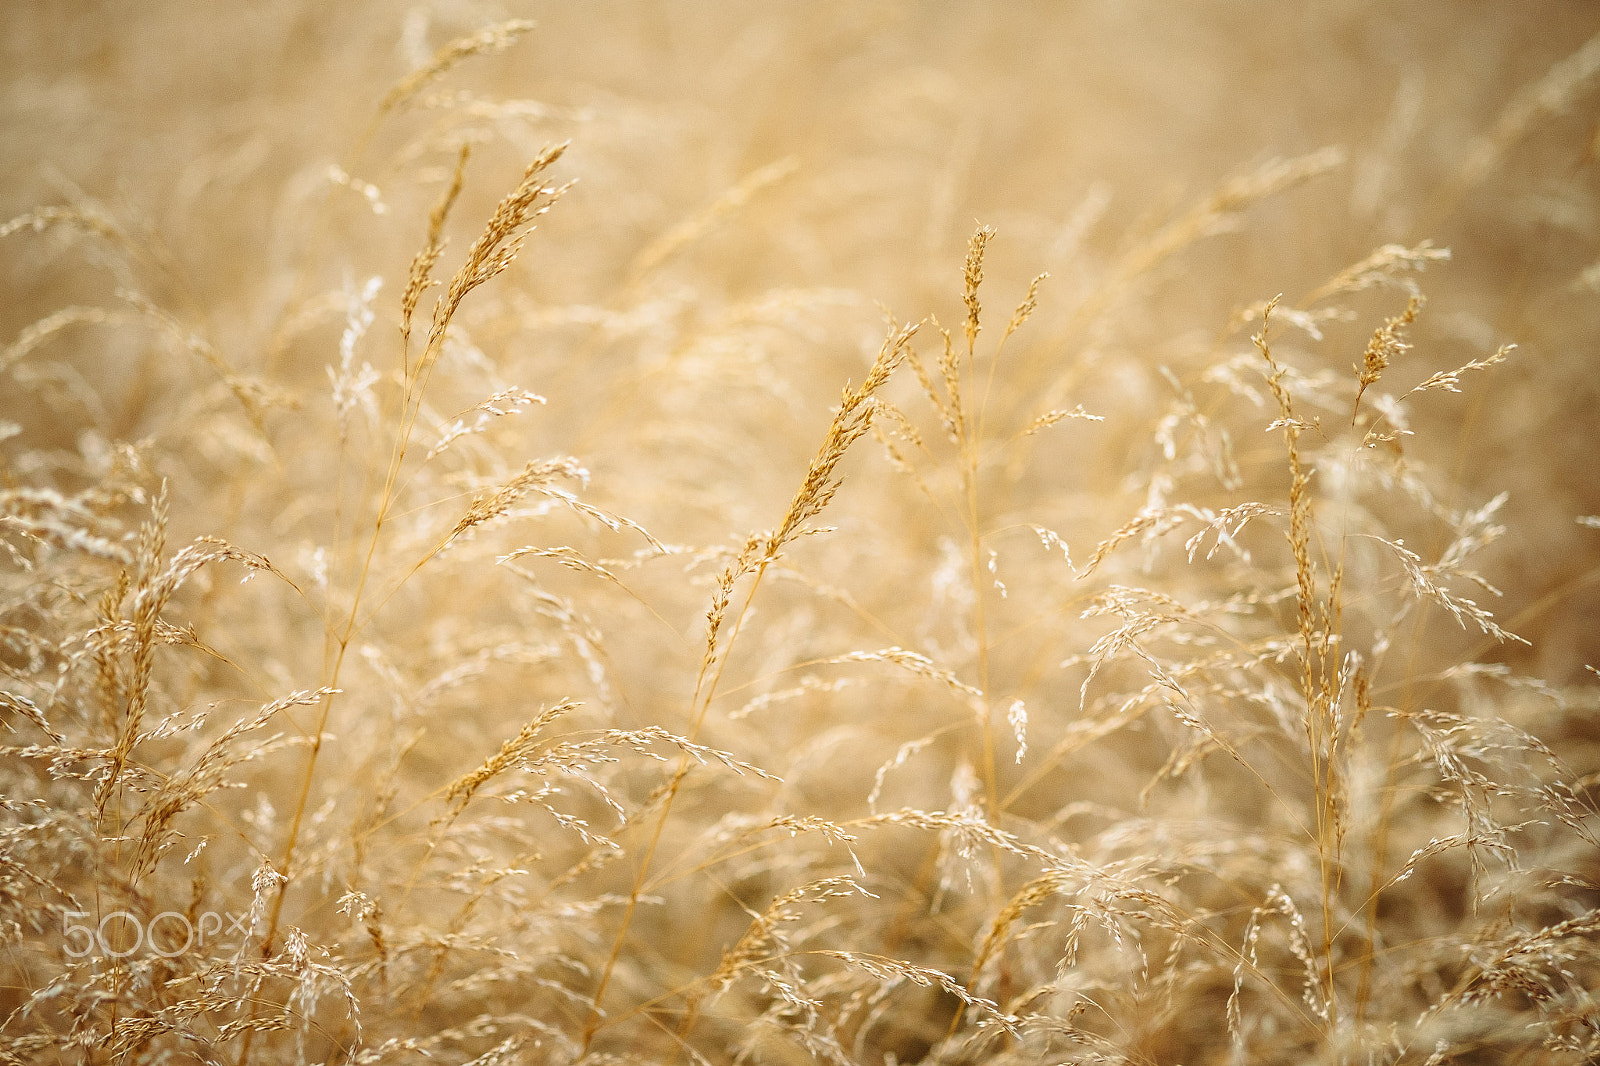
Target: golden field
(874,532)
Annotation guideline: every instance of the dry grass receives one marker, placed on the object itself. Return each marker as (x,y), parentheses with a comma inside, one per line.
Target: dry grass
(1175,644)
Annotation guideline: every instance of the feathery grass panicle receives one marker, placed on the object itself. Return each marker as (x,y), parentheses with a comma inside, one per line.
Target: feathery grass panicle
(420,277)
(180,792)
(1450,380)
(1025,310)
(536,476)
(692,229)
(1392,264)
(1218,212)
(851,420)
(1387,344)
(495,249)
(972,279)
(515,750)
(486,41)
(1549,95)
(37,333)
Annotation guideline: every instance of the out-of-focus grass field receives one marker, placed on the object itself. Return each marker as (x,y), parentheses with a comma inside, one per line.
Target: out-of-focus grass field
(926,532)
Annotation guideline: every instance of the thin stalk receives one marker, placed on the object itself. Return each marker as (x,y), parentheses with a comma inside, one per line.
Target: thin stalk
(705,690)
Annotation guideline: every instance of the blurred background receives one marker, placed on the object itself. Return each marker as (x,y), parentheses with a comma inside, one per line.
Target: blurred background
(869,140)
